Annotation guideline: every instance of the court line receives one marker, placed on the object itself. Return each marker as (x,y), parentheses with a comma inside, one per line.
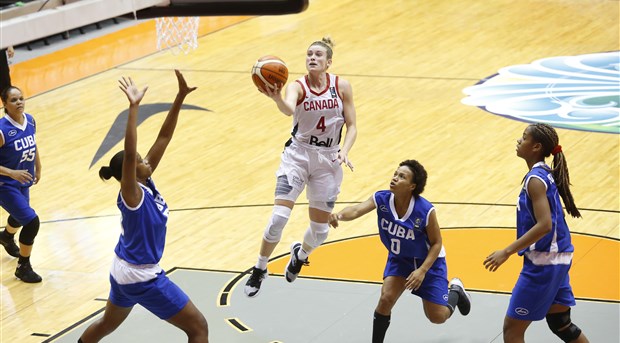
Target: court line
(233,282)
(304,73)
(301,203)
(240,274)
(74,326)
(342,203)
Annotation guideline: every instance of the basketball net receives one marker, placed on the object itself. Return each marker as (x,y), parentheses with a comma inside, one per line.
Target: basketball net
(177,34)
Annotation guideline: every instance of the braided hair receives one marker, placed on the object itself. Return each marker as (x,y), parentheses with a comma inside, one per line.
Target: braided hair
(547,136)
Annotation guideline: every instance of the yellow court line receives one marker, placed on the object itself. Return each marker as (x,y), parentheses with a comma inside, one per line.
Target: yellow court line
(238,325)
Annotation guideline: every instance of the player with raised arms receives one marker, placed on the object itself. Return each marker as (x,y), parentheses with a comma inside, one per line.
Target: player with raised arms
(136,276)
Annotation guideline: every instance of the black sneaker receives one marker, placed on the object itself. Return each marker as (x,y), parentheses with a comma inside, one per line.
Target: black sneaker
(294,264)
(9,244)
(25,273)
(252,287)
(464,303)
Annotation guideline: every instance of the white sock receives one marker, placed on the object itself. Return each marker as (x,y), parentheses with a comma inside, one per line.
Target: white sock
(262,262)
(302,254)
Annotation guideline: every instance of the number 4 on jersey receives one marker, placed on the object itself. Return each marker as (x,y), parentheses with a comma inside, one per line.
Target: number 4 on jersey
(321,124)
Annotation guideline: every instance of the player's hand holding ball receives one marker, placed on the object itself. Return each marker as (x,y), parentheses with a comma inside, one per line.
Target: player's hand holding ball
(269,75)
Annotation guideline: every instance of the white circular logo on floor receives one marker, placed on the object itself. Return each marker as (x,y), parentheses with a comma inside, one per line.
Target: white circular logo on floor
(573,92)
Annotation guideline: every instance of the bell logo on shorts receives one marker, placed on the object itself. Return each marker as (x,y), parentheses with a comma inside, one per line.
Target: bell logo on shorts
(522,311)
(314,140)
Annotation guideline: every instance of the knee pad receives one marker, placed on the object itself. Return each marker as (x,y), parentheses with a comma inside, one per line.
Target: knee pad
(29,232)
(316,234)
(326,206)
(13,222)
(560,324)
(279,218)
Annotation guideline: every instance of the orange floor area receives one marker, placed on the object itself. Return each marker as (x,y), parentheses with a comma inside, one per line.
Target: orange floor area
(50,71)
(363,259)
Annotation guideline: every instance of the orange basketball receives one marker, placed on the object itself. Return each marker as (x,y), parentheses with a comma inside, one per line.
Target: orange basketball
(269,71)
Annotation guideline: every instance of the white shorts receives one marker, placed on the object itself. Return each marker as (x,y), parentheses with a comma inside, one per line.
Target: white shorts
(125,273)
(317,167)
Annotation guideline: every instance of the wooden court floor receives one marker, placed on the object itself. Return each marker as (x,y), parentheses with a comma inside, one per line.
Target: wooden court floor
(408,63)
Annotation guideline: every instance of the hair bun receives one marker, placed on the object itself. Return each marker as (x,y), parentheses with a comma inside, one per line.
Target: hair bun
(105,173)
(329,41)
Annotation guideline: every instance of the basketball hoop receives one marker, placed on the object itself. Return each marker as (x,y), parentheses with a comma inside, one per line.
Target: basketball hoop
(177,34)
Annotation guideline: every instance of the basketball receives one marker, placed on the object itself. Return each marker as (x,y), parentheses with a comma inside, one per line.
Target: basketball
(269,71)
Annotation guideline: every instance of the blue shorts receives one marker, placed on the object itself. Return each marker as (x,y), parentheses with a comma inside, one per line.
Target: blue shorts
(537,288)
(16,201)
(434,288)
(160,296)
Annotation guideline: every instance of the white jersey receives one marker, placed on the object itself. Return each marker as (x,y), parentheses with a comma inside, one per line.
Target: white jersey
(319,116)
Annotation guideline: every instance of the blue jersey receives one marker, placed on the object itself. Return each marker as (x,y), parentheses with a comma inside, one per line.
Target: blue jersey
(19,149)
(556,241)
(404,237)
(143,233)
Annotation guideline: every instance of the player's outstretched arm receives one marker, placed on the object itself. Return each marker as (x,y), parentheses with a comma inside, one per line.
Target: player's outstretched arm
(167,129)
(352,212)
(131,192)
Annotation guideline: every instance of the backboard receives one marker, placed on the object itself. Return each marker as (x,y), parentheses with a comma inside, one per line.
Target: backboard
(180,8)
(71,14)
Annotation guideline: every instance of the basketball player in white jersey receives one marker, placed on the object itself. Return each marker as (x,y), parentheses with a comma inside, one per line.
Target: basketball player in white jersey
(321,104)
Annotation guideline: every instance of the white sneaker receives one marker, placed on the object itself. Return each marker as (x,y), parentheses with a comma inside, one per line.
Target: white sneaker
(252,286)
(294,264)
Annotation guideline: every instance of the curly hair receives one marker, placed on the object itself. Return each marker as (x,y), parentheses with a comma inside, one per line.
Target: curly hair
(419,175)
